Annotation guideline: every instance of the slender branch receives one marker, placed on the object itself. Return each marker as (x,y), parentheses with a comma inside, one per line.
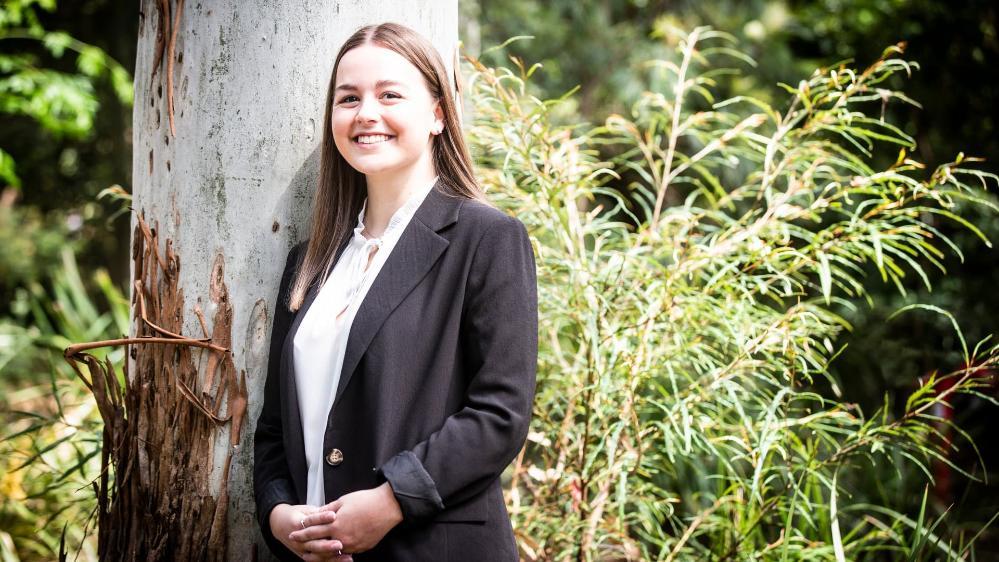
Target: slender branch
(680,91)
(75,349)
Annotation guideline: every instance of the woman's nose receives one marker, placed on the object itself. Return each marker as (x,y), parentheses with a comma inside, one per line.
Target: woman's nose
(367,110)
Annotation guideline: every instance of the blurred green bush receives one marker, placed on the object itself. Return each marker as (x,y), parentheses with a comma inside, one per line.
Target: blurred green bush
(50,445)
(686,408)
(50,442)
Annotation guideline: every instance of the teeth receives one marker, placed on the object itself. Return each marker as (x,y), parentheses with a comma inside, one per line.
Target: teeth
(371,139)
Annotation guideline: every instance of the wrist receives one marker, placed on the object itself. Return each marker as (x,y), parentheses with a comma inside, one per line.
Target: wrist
(394,509)
(276,513)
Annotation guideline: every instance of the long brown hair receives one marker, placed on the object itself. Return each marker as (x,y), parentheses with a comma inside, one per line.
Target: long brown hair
(342,189)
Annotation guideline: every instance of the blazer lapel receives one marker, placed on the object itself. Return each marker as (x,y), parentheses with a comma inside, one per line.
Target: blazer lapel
(416,252)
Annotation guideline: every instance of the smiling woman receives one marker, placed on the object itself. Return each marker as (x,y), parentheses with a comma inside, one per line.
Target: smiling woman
(402,361)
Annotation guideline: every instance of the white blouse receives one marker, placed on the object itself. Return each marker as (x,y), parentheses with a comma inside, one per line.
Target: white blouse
(321,339)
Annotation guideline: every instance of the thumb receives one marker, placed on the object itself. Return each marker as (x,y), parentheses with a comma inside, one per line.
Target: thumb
(334,505)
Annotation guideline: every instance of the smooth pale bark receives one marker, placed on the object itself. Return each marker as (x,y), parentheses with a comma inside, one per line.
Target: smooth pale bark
(249,81)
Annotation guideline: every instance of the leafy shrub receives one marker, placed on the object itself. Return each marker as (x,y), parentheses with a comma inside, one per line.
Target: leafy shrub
(685,409)
(50,446)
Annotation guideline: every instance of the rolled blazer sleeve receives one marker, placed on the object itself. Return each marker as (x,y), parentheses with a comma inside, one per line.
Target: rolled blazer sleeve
(271,478)
(500,337)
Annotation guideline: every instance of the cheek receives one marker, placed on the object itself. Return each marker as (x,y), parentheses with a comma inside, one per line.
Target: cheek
(339,123)
(340,127)
(409,123)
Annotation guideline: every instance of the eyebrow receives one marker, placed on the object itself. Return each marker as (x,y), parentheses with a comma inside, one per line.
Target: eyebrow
(378,84)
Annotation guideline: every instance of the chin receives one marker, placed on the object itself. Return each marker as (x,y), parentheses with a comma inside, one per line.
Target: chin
(367,168)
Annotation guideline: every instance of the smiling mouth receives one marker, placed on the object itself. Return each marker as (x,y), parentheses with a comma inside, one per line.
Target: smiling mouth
(372,139)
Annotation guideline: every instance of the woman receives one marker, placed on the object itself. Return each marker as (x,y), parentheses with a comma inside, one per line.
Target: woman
(403,353)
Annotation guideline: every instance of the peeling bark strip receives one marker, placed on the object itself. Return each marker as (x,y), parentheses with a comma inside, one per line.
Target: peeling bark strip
(166,38)
(161,423)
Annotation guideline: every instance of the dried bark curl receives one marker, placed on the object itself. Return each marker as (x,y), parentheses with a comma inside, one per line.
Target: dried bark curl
(161,421)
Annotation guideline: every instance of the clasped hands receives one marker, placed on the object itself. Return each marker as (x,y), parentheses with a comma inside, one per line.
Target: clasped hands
(352,523)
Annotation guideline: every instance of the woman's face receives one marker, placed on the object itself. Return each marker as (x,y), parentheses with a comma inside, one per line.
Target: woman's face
(383,116)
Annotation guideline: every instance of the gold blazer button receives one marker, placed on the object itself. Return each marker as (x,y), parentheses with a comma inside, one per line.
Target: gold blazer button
(335,457)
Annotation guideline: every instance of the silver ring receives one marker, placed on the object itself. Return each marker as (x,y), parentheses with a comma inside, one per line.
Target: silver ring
(303,522)
(339,552)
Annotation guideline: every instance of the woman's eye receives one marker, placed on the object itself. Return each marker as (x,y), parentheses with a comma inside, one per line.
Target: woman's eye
(392,95)
(348,99)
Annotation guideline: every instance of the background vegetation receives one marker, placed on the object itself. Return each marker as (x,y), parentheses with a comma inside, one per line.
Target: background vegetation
(686,408)
(760,455)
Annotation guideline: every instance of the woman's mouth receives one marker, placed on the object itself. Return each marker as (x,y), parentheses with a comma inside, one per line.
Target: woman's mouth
(372,139)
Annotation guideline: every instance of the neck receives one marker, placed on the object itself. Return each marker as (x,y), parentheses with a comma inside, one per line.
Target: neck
(387,194)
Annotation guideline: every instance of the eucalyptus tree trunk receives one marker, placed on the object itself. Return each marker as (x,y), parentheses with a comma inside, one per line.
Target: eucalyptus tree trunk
(228,113)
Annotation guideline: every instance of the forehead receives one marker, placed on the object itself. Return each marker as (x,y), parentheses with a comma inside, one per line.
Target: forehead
(366,65)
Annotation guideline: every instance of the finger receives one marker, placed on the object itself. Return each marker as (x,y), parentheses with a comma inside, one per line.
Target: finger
(319,518)
(334,505)
(311,533)
(324,544)
(325,548)
(317,556)
(320,557)
(312,557)
(308,556)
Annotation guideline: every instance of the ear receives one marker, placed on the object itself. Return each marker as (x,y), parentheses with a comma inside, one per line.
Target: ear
(438,117)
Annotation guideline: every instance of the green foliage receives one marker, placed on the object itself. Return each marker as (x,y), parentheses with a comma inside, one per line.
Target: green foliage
(63,103)
(32,243)
(685,407)
(7,173)
(593,46)
(51,442)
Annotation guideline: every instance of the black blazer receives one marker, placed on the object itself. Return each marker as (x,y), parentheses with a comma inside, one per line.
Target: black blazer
(436,390)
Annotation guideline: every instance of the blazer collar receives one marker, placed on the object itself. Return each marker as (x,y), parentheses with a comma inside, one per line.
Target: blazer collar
(416,252)
(438,209)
